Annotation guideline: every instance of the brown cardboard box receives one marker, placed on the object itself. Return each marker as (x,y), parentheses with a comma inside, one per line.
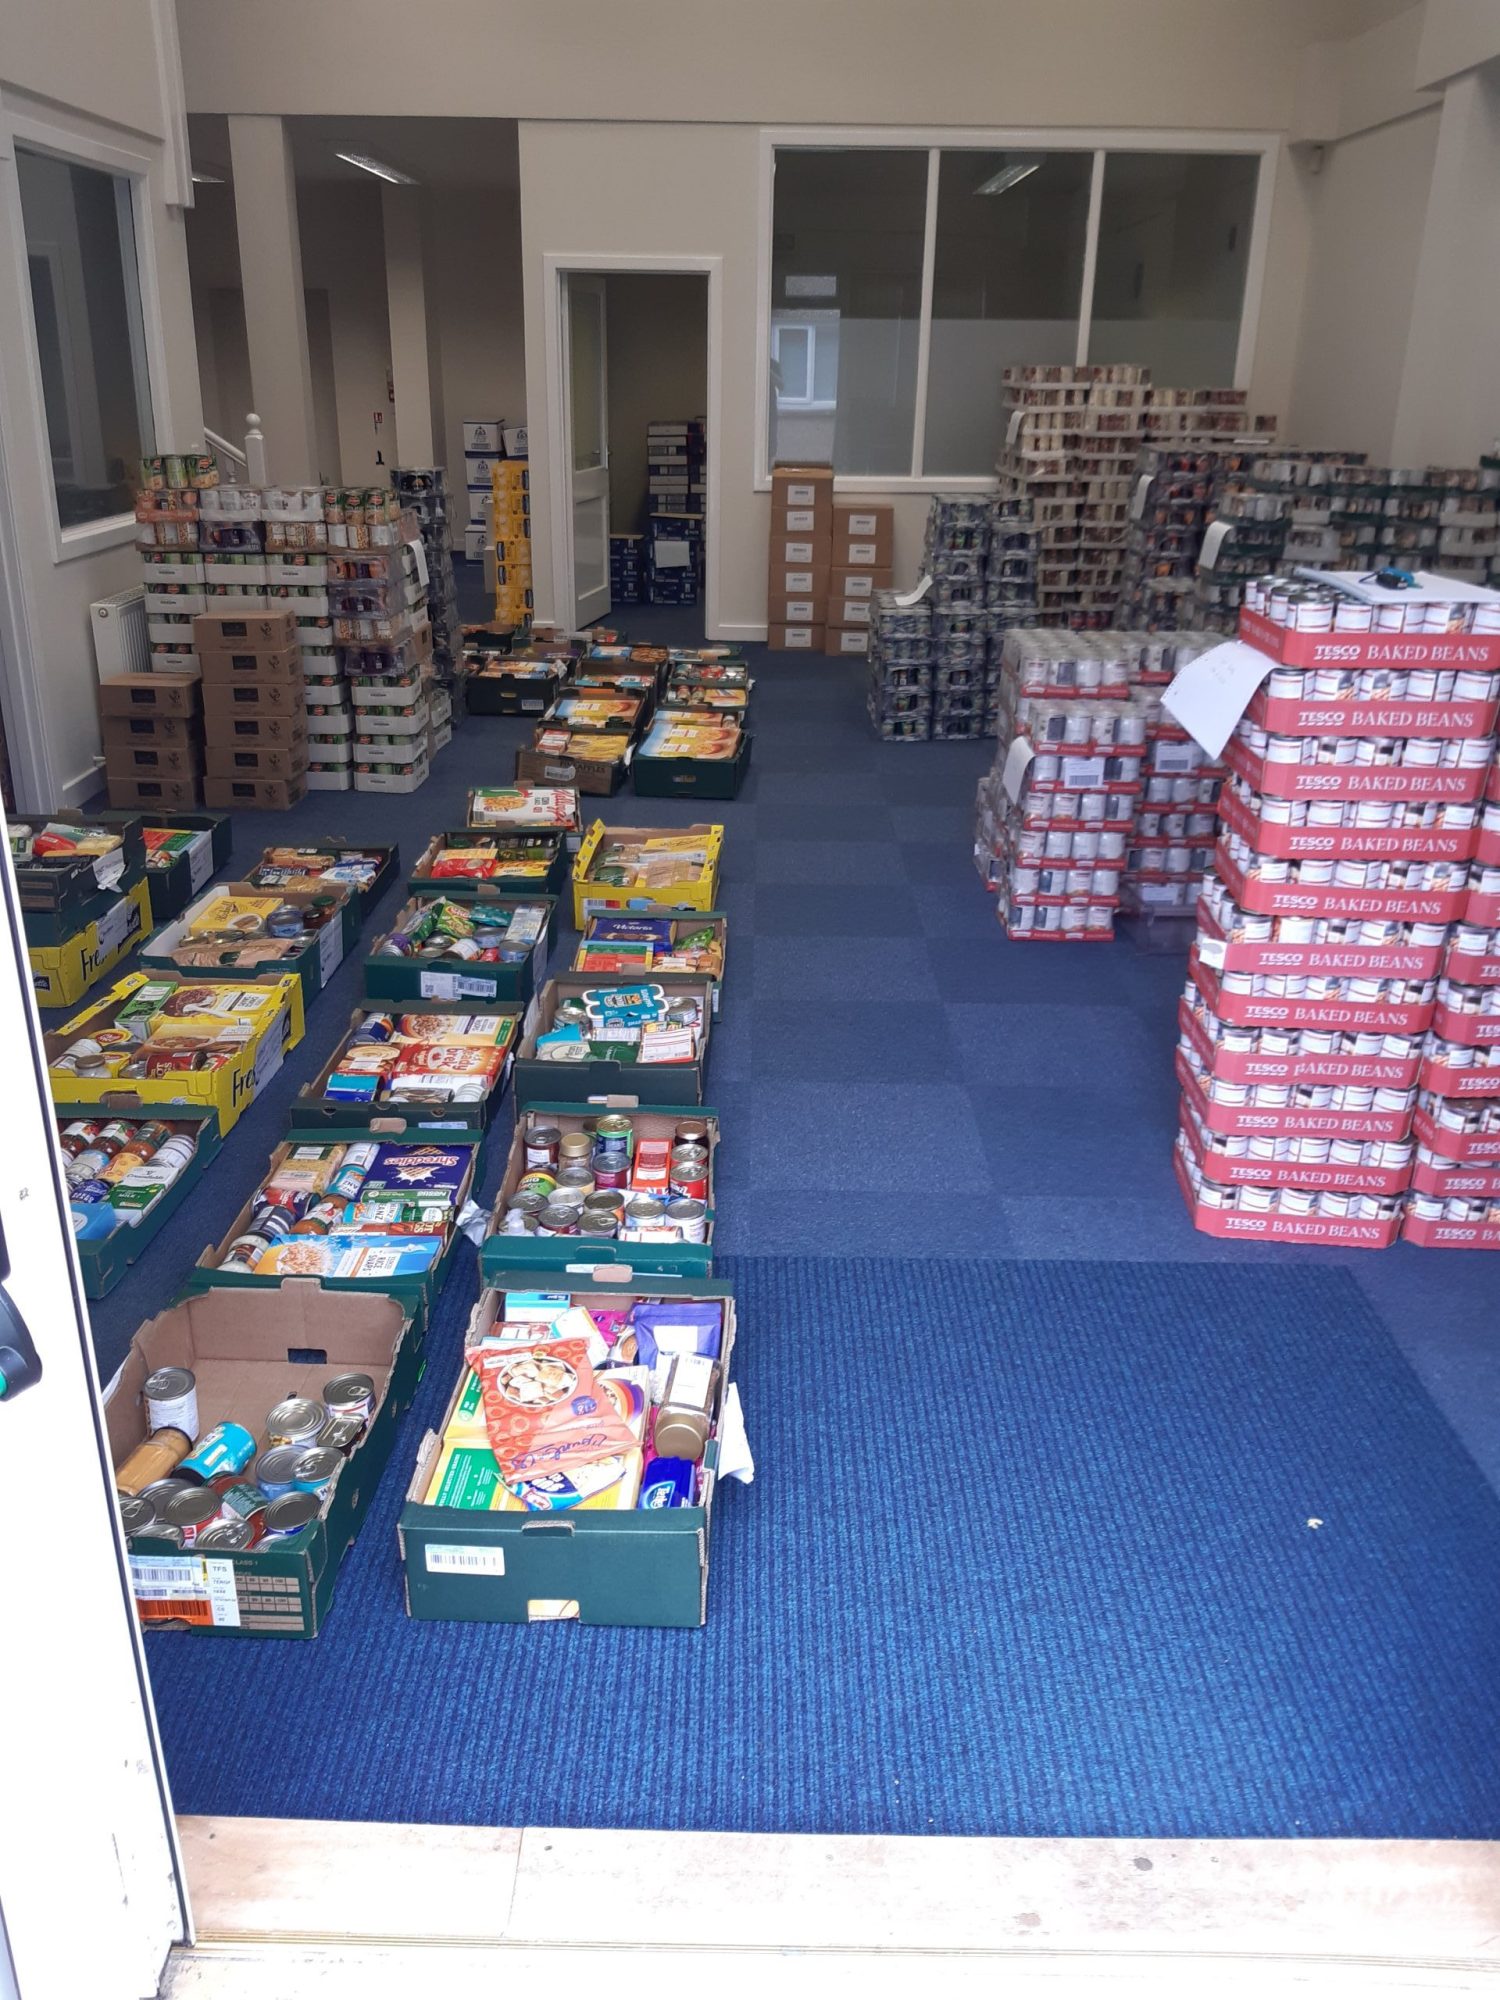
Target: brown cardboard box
(256,760)
(586,774)
(799,552)
(859,582)
(849,610)
(801,487)
(849,552)
(283,665)
(165,791)
(848,642)
(863,537)
(149,694)
(260,726)
(784,610)
(152,760)
(266,794)
(150,727)
(799,580)
(226,701)
(795,639)
(801,524)
(248,632)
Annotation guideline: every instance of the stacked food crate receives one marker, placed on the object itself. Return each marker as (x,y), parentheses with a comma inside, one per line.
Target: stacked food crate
(1170,494)
(423,491)
(900,672)
(1261,499)
(1009,590)
(1172,840)
(382,638)
(956,556)
(1056,810)
(510,519)
(1346,826)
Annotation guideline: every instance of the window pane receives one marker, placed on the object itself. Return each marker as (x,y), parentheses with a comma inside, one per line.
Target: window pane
(846,258)
(1006,283)
(791,355)
(86,305)
(1174,241)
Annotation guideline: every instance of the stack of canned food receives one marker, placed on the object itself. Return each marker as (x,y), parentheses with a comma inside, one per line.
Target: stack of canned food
(480,932)
(220,1490)
(603,1178)
(119,1168)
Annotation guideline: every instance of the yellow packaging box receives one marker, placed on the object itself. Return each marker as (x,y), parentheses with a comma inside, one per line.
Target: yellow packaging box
(63,973)
(689,884)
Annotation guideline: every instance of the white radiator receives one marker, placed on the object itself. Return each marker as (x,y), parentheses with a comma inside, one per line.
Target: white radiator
(120,633)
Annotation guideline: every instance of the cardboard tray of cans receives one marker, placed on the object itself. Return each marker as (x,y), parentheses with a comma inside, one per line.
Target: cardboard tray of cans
(1443,1233)
(1296,899)
(1232,1170)
(464,1146)
(1456,1024)
(62,973)
(1313,651)
(1397,782)
(1292,1121)
(1481,906)
(1254,1010)
(104,1260)
(314,1105)
(643,1567)
(1445,1178)
(1351,961)
(579,1251)
(519,809)
(314,962)
(1472,968)
(179,877)
(1280,840)
(328,864)
(1296,715)
(1446,1074)
(541,864)
(684,924)
(541,1079)
(71,890)
(1355,1233)
(249,1351)
(1448,1140)
(390,976)
(274,1019)
(1250,1066)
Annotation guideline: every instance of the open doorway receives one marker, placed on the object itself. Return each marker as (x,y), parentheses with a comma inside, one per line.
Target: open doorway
(632,447)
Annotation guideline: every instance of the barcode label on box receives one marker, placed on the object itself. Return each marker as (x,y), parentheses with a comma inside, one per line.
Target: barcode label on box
(200,861)
(196,1589)
(438,985)
(456,1559)
(115,925)
(330,946)
(268,1057)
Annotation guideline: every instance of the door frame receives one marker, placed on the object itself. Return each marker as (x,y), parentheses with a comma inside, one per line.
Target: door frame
(593,286)
(556,266)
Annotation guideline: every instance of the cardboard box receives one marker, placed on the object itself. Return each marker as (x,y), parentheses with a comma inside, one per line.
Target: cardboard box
(62,973)
(256,760)
(145,793)
(810,524)
(228,701)
(859,524)
(799,552)
(696,889)
(315,964)
(692,777)
(802,486)
(103,1261)
(124,732)
(539,1080)
(285,664)
(69,892)
(314,1107)
(851,583)
(850,611)
(647,1567)
(856,552)
(784,610)
(796,638)
(150,694)
(597,777)
(245,632)
(258,794)
(275,1024)
(684,923)
(484,435)
(409,778)
(174,886)
(152,760)
(547,849)
(848,642)
(248,1350)
(800,580)
(390,978)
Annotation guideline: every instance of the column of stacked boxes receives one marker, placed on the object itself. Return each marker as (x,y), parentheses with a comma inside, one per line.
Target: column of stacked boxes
(384,643)
(254,709)
(423,490)
(1346,825)
(1258,500)
(1009,591)
(899,699)
(1171,844)
(484,444)
(296,527)
(956,554)
(510,513)
(801,557)
(168,514)
(1054,813)
(861,555)
(675,505)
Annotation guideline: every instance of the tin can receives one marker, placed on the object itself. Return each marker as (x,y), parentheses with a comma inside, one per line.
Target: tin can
(297,1420)
(273,1469)
(689,1218)
(117,1134)
(558,1219)
(575,1149)
(610,1170)
(688,1173)
(290,1514)
(137,1513)
(352,1169)
(377,1028)
(316,1468)
(594,1221)
(340,1434)
(642,1213)
(537,1183)
(79,1136)
(171,1399)
(543,1143)
(526,1204)
(351,1395)
(245,1252)
(227,1449)
(242,1502)
(154,1461)
(226,1537)
(614,1133)
(573,1180)
(191,1512)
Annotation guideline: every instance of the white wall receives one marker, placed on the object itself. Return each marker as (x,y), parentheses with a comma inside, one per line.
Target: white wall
(1365,211)
(473,244)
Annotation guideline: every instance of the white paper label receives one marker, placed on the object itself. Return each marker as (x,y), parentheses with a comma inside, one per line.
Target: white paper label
(798,638)
(863,524)
(800,520)
(1013,428)
(268,1057)
(475,989)
(671,554)
(906,598)
(115,926)
(1211,951)
(419,557)
(798,579)
(438,985)
(1210,694)
(1013,772)
(799,610)
(1081,774)
(1138,498)
(330,947)
(200,860)
(798,552)
(858,586)
(456,1559)
(1213,541)
(854,642)
(187,1579)
(862,552)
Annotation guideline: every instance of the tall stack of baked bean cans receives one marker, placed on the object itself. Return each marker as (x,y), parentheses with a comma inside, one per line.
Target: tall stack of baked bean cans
(1333,1026)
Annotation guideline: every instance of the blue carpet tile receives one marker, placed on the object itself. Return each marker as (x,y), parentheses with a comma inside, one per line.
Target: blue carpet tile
(1093,1609)
(1031,1550)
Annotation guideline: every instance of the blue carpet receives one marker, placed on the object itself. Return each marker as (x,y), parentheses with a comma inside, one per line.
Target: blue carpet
(1028,1553)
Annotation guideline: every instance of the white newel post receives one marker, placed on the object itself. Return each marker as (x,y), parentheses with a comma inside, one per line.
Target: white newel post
(255,451)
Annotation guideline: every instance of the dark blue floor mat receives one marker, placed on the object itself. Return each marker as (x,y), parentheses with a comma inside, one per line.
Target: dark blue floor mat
(1035,1548)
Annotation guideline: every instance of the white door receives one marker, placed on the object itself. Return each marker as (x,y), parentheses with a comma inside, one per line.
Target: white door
(588,430)
(90,1896)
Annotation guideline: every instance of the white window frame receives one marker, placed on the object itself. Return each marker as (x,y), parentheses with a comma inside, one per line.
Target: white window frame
(809,402)
(934,141)
(67,142)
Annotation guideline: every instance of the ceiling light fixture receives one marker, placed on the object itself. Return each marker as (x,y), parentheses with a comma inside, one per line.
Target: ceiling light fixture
(379,169)
(207,180)
(1008,177)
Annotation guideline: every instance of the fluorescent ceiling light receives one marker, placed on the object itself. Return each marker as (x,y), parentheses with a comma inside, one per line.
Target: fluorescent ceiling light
(207,180)
(1008,177)
(379,169)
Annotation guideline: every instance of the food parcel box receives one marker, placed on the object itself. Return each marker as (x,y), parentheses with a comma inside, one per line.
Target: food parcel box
(674,772)
(249,1351)
(466,1554)
(473,861)
(503,1248)
(393,974)
(104,1260)
(188,944)
(362,1094)
(169,1022)
(184,851)
(62,973)
(600,777)
(63,893)
(663,865)
(366,868)
(513,809)
(636,944)
(540,1079)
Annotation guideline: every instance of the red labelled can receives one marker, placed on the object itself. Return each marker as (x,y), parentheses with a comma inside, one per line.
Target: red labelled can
(689,1173)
